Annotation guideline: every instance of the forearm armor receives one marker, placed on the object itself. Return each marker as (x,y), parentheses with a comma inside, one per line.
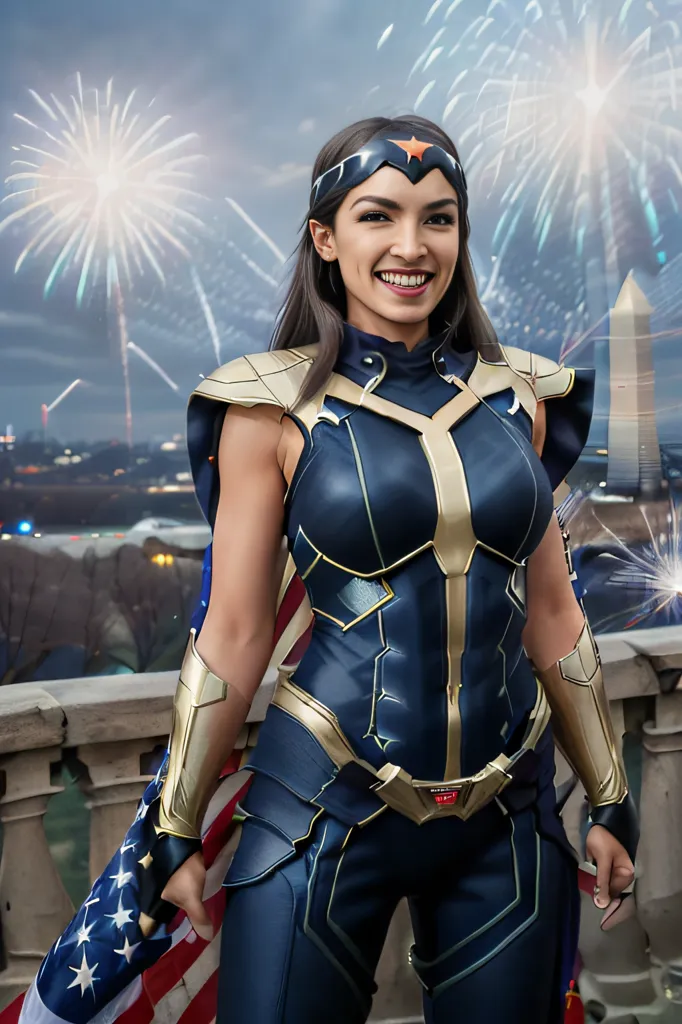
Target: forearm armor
(190,780)
(582,726)
(172,824)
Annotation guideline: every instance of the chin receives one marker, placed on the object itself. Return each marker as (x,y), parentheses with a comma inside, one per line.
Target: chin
(404,314)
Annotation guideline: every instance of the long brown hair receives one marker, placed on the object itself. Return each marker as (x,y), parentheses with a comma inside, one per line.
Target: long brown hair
(315,304)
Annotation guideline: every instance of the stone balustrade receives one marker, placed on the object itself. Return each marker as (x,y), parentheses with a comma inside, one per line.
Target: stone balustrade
(109,730)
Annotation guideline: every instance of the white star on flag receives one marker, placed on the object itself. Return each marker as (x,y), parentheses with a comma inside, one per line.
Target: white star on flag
(126,846)
(121,877)
(142,811)
(85,976)
(127,950)
(121,916)
(83,933)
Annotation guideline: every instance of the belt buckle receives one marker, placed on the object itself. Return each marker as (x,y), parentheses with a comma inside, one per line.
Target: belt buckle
(447,797)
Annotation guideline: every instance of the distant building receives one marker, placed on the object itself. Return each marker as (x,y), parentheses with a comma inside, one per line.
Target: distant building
(634,463)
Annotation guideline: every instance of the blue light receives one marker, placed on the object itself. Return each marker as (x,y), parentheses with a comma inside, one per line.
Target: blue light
(25,526)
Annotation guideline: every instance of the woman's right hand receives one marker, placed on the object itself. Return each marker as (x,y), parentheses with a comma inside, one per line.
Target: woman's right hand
(185,889)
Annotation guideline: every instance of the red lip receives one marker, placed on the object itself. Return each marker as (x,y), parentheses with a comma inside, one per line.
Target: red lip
(404,270)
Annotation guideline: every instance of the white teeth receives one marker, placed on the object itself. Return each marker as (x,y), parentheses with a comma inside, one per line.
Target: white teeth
(403,280)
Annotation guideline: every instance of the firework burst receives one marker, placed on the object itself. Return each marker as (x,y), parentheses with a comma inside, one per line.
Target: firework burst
(568,112)
(103,192)
(652,571)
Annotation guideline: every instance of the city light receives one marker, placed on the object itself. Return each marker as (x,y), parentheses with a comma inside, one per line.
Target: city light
(162,559)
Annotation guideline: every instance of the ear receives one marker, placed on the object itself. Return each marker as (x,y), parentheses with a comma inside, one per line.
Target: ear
(323,240)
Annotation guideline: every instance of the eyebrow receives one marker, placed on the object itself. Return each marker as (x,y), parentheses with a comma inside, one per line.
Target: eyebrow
(390,204)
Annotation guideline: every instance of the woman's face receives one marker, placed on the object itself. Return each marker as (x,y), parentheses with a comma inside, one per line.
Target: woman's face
(397,246)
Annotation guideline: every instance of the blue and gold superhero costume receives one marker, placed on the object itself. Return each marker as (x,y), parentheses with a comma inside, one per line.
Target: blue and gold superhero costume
(414,506)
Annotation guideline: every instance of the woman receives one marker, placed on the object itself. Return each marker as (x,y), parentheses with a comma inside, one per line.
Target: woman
(409,460)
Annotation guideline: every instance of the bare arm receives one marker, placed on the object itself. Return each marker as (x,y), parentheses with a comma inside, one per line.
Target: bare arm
(554,617)
(236,638)
(556,629)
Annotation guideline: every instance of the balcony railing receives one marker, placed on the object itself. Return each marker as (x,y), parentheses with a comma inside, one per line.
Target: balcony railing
(109,729)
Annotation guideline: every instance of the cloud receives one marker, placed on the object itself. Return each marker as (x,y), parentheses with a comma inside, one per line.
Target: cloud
(284,174)
(13,321)
(307,125)
(49,357)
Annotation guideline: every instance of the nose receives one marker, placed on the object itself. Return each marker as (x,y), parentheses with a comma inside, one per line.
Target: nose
(408,244)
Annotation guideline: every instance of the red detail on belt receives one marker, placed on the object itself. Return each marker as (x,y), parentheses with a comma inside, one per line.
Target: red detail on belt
(446,797)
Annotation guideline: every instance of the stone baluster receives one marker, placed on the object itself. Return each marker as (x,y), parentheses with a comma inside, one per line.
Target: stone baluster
(660,888)
(113,786)
(34,905)
(399,994)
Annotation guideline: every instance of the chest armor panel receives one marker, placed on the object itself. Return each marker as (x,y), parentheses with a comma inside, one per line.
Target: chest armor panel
(387,509)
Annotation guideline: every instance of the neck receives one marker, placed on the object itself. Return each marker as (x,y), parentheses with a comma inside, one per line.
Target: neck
(366,320)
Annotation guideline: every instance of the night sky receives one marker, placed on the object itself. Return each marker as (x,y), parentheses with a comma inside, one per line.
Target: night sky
(263,85)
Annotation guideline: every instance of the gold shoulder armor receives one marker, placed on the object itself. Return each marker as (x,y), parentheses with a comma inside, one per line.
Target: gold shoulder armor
(270,378)
(549,379)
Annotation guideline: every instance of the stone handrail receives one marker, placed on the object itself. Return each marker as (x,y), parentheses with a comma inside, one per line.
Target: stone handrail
(107,730)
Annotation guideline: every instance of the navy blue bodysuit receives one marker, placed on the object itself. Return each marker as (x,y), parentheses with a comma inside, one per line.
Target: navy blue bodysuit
(412,512)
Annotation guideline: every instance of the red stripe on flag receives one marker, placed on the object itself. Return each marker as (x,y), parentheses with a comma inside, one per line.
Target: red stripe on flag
(202,1009)
(10,1015)
(140,1012)
(232,764)
(168,970)
(299,648)
(291,601)
(586,882)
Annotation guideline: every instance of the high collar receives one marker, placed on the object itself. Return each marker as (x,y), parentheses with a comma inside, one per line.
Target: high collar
(369,354)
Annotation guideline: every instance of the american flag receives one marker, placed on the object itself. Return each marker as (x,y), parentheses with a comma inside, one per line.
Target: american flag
(101,969)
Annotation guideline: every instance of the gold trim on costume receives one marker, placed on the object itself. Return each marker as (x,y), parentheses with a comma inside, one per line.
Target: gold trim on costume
(189,784)
(415,798)
(372,727)
(363,488)
(454,541)
(582,721)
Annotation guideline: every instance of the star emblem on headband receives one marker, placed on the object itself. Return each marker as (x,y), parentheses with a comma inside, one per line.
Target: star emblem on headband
(413,147)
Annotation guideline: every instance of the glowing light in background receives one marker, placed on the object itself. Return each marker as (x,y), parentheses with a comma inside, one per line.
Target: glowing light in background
(652,571)
(558,111)
(101,189)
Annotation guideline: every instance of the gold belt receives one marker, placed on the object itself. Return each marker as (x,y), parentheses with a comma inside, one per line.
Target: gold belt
(417,799)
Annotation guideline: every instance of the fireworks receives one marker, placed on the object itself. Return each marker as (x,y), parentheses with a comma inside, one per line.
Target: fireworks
(652,571)
(101,189)
(97,186)
(45,409)
(569,113)
(225,301)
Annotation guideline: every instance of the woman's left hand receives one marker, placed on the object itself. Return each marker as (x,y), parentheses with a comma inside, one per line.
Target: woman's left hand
(615,870)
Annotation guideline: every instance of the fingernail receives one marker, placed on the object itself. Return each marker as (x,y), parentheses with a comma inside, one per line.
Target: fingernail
(602,902)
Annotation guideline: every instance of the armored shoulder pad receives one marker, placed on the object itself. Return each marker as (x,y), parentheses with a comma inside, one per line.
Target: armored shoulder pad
(270,378)
(549,379)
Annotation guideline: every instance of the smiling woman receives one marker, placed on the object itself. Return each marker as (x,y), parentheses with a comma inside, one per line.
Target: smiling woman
(409,462)
(420,225)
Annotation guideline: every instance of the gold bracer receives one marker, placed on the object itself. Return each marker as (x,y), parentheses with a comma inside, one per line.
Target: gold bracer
(192,777)
(582,722)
